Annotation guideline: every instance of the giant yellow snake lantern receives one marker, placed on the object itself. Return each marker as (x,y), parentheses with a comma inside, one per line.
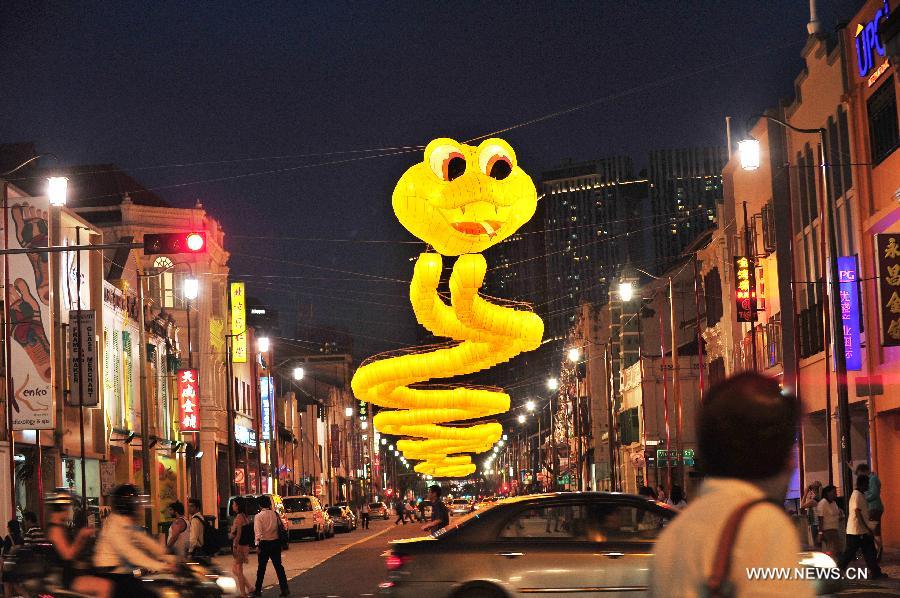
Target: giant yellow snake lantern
(460,200)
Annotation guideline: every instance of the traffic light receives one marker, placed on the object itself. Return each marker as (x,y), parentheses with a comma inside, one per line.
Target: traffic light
(187,242)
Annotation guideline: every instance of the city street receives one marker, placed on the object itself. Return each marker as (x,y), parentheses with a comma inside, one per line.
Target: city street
(346,565)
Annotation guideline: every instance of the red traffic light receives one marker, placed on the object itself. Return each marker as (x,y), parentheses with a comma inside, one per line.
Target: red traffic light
(168,243)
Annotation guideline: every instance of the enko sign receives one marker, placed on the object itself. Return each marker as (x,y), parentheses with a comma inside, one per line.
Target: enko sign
(868,45)
(849,295)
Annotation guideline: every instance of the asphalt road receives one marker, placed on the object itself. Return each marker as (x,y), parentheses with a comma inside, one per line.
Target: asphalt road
(356,569)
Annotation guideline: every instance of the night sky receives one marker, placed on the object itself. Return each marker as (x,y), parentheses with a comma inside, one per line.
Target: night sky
(271,99)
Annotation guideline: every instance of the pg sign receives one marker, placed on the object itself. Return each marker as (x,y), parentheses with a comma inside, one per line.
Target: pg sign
(188,400)
(868,45)
(849,295)
(745,289)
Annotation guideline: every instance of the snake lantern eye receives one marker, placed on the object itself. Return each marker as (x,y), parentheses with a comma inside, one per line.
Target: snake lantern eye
(447,162)
(496,162)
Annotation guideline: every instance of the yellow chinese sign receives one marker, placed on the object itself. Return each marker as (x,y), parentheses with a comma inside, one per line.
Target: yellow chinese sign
(238,323)
(888,248)
(745,289)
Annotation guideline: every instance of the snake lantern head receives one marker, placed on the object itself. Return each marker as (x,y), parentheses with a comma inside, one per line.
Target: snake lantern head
(464,199)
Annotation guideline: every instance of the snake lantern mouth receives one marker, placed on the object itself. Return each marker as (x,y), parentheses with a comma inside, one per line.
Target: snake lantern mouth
(464,199)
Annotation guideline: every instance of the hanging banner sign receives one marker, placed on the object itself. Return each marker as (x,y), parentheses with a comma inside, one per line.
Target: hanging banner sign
(266,395)
(238,323)
(28,297)
(849,294)
(335,445)
(83,373)
(887,247)
(188,400)
(745,289)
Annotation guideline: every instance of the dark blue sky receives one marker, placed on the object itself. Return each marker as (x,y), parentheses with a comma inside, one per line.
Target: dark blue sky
(144,85)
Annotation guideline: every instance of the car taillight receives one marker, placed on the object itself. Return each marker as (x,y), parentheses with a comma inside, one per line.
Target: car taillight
(395,561)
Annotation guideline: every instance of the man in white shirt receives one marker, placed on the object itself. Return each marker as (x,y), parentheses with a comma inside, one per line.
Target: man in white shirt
(860,535)
(746,430)
(265,526)
(197,539)
(829,514)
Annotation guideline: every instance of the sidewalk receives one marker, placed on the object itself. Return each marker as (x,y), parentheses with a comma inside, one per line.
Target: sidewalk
(303,555)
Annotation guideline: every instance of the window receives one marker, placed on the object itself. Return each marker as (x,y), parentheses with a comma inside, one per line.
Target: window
(162,286)
(629,426)
(591,522)
(883,133)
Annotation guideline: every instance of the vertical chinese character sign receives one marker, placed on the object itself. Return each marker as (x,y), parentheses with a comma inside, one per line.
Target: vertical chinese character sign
(887,247)
(849,295)
(188,400)
(745,289)
(238,323)
(265,402)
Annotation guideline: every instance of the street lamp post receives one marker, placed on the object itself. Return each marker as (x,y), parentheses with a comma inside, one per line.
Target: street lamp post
(749,153)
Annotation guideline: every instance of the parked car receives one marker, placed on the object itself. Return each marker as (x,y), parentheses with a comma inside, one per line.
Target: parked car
(343,518)
(461,506)
(379,509)
(515,547)
(305,517)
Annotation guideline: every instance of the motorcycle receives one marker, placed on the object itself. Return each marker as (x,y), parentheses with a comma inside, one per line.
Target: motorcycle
(31,574)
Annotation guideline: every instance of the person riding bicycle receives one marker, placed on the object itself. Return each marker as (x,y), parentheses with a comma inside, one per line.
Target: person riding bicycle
(123,545)
(68,545)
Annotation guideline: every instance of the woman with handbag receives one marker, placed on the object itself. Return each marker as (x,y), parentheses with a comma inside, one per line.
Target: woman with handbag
(241,538)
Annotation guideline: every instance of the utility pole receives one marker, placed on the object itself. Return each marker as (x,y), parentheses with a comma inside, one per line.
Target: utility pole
(676,385)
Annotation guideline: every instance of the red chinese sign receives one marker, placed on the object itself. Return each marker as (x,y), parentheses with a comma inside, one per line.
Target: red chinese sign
(189,400)
(745,289)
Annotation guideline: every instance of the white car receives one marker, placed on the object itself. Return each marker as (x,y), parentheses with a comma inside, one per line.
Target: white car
(461,506)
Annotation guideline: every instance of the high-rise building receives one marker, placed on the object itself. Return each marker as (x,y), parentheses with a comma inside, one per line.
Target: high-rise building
(685,185)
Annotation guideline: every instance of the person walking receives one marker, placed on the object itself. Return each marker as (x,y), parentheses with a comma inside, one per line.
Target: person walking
(400,509)
(808,506)
(874,504)
(198,528)
(268,539)
(179,535)
(860,532)
(746,431)
(241,538)
(829,514)
(365,511)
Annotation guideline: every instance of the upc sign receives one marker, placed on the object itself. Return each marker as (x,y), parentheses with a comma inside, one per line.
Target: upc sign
(866,38)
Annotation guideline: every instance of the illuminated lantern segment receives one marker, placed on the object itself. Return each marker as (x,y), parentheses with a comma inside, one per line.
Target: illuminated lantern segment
(460,200)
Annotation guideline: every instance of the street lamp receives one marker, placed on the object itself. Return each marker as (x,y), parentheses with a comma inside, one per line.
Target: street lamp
(626,290)
(574,355)
(552,384)
(521,419)
(529,405)
(299,373)
(748,150)
(262,344)
(57,190)
(191,288)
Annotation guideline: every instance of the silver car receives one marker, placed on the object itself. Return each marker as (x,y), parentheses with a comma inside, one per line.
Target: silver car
(550,544)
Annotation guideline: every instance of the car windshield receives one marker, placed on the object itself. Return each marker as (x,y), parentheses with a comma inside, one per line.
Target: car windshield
(335,511)
(375,505)
(297,505)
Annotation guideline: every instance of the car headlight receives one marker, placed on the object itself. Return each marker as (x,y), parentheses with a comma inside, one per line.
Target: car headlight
(227,585)
(819,560)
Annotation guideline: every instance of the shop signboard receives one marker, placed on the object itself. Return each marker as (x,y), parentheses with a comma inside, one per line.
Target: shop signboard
(849,295)
(887,248)
(265,400)
(335,445)
(28,297)
(745,289)
(83,372)
(868,45)
(188,400)
(238,323)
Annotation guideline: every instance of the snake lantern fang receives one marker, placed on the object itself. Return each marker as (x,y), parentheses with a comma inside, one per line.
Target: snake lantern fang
(460,200)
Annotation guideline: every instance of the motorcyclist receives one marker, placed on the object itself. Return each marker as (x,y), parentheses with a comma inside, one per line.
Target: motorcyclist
(68,545)
(123,545)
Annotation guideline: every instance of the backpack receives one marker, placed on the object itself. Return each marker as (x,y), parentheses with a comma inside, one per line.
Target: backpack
(212,542)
